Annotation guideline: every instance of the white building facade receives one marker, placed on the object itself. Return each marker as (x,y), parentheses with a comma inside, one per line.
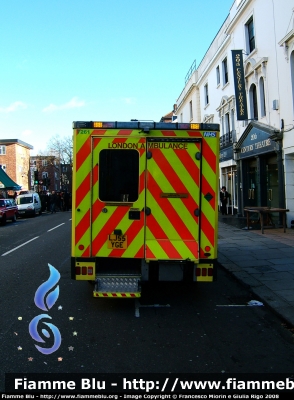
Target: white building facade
(256,153)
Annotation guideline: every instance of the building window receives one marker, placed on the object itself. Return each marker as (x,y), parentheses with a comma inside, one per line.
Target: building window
(206,97)
(217,76)
(253,102)
(191,110)
(262,97)
(250,38)
(227,123)
(2,150)
(233,136)
(44,163)
(225,71)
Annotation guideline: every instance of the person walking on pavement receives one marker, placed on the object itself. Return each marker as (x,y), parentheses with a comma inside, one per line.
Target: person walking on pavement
(53,199)
(224,196)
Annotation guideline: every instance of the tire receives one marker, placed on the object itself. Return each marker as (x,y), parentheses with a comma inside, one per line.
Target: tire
(14,218)
(34,214)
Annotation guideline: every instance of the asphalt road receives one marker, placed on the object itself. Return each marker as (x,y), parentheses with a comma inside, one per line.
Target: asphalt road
(179,328)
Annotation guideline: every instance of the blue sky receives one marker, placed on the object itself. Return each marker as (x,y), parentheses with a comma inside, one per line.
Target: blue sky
(70,60)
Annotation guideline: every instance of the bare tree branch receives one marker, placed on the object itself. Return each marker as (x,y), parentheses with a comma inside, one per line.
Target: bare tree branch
(61,148)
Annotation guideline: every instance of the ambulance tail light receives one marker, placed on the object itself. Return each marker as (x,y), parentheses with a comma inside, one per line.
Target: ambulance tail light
(204,271)
(84,271)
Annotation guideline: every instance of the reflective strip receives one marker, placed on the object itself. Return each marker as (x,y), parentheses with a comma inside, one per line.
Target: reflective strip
(117,295)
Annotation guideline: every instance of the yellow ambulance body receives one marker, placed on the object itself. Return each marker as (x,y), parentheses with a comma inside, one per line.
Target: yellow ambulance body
(145,204)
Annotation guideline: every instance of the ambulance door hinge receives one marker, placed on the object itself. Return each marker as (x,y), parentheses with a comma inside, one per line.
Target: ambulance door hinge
(198,155)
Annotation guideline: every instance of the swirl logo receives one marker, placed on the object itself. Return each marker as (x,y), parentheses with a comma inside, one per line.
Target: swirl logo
(44,299)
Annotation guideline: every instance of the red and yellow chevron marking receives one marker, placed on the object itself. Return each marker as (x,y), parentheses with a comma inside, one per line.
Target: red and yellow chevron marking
(117,295)
(172,228)
(209,185)
(103,224)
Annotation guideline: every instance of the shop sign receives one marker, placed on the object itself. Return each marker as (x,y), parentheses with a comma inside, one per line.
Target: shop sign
(226,154)
(257,142)
(239,81)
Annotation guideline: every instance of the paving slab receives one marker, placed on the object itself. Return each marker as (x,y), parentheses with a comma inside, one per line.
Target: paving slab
(262,262)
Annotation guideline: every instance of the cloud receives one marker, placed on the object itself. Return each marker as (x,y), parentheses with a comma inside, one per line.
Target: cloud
(73,103)
(129,100)
(17,105)
(27,133)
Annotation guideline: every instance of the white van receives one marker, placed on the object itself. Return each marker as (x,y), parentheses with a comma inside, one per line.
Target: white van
(28,204)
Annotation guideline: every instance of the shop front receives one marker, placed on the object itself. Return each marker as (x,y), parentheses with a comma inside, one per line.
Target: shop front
(260,168)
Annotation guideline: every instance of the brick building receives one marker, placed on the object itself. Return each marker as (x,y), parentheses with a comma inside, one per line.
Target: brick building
(47,169)
(15,161)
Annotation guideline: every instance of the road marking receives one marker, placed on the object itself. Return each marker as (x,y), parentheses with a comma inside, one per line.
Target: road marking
(10,251)
(49,230)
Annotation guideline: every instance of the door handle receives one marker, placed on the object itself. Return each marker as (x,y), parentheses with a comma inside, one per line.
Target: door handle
(270,194)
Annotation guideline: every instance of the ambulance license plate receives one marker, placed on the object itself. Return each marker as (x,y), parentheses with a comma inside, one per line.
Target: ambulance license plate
(117,242)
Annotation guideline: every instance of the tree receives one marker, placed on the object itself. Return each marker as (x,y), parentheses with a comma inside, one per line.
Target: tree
(61,148)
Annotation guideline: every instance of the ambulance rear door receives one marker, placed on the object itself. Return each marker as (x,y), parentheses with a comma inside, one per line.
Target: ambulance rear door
(118,197)
(173,198)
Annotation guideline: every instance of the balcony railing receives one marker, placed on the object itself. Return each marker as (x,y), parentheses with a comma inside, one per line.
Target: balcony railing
(227,139)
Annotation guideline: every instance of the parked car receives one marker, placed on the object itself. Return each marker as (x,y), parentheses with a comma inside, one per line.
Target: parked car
(8,211)
(28,204)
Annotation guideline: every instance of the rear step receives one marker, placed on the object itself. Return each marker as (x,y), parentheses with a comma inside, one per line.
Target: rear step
(118,286)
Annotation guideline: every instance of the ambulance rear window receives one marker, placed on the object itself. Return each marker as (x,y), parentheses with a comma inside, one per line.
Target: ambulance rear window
(119,175)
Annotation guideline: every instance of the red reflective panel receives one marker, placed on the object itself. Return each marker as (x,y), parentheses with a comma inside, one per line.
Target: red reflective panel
(84,270)
(81,247)
(204,271)
(78,270)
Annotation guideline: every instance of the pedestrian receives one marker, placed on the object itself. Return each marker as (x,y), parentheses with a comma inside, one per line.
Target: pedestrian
(58,202)
(66,201)
(62,201)
(53,199)
(48,206)
(224,196)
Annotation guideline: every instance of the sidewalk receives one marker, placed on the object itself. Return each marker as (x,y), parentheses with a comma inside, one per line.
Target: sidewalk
(263,262)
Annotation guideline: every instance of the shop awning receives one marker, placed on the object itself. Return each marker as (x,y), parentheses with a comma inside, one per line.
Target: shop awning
(7,183)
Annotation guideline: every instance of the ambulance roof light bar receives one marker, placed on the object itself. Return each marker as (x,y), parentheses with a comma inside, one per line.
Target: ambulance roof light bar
(145,126)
